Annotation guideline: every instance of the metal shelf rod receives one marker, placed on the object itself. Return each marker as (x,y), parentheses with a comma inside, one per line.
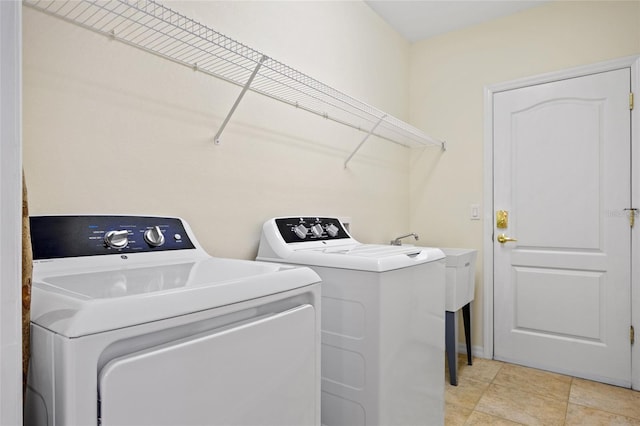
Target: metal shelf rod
(216,139)
(363,141)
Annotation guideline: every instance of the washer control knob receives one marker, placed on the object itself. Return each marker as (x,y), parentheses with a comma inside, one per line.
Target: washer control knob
(301,231)
(332,230)
(317,230)
(154,236)
(116,239)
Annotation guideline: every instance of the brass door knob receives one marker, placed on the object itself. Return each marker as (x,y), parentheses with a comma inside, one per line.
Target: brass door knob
(504,239)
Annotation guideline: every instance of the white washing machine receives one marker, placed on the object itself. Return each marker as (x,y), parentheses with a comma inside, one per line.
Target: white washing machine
(382,322)
(134,324)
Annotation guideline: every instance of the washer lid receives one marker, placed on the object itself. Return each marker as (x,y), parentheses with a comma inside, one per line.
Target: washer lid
(324,241)
(364,257)
(83,303)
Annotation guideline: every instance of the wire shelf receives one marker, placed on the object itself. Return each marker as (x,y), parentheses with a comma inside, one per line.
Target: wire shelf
(155,28)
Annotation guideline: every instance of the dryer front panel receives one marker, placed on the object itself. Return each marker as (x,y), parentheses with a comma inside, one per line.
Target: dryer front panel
(268,363)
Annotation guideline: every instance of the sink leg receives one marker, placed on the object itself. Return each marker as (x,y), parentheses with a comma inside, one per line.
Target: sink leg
(466,317)
(450,346)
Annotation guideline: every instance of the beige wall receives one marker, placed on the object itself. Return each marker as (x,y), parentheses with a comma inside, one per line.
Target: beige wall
(108,128)
(111,129)
(447,80)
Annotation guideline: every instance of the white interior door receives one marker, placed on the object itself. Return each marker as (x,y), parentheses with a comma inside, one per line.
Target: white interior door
(562,172)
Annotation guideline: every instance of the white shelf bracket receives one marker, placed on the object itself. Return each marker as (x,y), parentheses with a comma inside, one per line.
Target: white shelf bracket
(364,140)
(216,139)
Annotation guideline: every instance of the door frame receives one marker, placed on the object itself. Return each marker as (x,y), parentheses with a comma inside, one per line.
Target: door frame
(11,212)
(632,62)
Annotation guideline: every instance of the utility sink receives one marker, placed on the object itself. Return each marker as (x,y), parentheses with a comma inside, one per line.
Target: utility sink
(459,292)
(460,277)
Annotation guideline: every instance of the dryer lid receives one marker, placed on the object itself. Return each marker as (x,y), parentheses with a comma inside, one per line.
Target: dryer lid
(77,304)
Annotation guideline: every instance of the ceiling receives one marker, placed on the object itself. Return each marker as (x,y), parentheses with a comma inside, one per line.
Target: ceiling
(417,20)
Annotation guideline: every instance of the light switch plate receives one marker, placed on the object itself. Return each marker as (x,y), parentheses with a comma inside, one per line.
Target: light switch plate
(475,212)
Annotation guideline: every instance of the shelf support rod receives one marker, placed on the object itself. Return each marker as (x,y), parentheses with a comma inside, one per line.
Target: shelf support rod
(373,129)
(216,139)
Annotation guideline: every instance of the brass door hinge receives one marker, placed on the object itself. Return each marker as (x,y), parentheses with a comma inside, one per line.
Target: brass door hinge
(632,216)
(631,100)
(632,335)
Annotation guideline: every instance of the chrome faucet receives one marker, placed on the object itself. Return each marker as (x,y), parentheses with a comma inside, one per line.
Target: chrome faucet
(397,241)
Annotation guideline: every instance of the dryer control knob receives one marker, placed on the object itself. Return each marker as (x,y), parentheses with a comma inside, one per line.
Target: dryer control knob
(317,230)
(301,231)
(116,239)
(332,230)
(154,236)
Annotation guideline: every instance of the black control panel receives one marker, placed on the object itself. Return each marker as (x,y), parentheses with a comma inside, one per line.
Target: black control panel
(297,229)
(55,237)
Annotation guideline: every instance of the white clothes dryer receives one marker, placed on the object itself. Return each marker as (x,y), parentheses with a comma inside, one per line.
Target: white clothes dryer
(382,322)
(134,324)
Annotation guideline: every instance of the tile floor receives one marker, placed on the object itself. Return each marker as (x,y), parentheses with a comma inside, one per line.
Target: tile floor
(496,393)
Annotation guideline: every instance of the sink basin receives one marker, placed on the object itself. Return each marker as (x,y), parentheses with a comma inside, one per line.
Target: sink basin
(460,277)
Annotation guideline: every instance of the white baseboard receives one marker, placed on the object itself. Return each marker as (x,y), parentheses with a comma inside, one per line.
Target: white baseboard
(477,351)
